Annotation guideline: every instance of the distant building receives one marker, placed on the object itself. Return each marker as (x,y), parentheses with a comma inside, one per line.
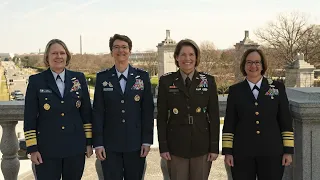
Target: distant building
(139,58)
(6,56)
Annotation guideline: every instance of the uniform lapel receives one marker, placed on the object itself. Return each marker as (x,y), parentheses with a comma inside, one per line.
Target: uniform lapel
(195,82)
(113,77)
(130,79)
(68,83)
(248,90)
(178,81)
(51,82)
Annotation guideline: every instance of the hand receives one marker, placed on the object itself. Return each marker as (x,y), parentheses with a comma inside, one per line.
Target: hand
(89,151)
(101,153)
(166,156)
(144,151)
(286,159)
(228,159)
(212,156)
(36,158)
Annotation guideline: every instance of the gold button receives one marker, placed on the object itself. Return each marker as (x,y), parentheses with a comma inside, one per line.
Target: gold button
(256,103)
(123,111)
(62,114)
(62,127)
(62,102)
(123,120)
(122,101)
(258,132)
(45,98)
(77,92)
(257,122)
(257,113)
(78,96)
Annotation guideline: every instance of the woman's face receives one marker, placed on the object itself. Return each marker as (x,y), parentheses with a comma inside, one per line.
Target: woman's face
(187,59)
(57,57)
(253,66)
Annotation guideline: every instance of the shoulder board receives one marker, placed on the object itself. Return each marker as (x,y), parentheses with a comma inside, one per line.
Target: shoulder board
(104,70)
(138,69)
(204,73)
(166,74)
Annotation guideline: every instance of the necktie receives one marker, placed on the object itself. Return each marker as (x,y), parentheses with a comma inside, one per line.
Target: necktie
(60,85)
(122,77)
(187,82)
(255,87)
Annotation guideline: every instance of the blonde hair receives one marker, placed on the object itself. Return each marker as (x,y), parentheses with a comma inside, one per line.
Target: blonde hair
(50,43)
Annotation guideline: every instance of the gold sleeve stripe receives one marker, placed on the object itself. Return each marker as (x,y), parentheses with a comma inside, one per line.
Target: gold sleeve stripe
(287,133)
(227,139)
(31,142)
(227,144)
(88,130)
(88,134)
(288,138)
(89,125)
(29,132)
(227,134)
(288,143)
(27,135)
(31,137)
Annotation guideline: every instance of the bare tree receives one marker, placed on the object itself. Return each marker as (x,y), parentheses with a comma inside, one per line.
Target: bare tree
(285,35)
(209,57)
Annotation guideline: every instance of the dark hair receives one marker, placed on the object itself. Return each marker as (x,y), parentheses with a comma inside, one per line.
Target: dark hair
(244,58)
(186,42)
(46,52)
(120,37)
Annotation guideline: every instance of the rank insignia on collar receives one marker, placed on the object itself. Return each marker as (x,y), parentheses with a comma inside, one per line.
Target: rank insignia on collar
(105,83)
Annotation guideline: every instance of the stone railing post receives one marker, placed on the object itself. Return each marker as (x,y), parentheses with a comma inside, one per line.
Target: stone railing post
(305,110)
(10,164)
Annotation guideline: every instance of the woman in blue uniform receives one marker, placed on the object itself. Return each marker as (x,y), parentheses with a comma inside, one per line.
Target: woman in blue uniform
(57,117)
(257,137)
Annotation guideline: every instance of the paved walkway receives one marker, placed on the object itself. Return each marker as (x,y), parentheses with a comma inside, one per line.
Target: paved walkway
(153,171)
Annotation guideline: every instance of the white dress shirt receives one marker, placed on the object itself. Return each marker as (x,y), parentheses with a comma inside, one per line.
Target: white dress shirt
(255,92)
(123,82)
(60,82)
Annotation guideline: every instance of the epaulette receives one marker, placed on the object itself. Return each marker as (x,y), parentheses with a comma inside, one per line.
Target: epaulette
(166,74)
(139,69)
(104,70)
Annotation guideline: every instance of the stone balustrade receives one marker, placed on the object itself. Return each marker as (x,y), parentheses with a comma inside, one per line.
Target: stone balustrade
(304,106)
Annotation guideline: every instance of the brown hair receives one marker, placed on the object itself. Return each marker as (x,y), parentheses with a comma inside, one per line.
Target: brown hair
(50,43)
(122,38)
(186,42)
(244,58)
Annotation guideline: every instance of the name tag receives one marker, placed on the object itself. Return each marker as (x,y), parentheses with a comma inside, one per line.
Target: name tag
(45,91)
(173,90)
(107,89)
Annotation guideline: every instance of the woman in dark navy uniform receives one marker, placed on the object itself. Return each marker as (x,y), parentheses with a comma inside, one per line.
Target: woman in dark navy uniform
(257,137)
(57,117)
(188,117)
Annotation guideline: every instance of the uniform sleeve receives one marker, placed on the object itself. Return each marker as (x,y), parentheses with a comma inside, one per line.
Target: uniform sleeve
(86,111)
(98,113)
(229,124)
(285,121)
(162,116)
(31,112)
(147,112)
(214,118)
